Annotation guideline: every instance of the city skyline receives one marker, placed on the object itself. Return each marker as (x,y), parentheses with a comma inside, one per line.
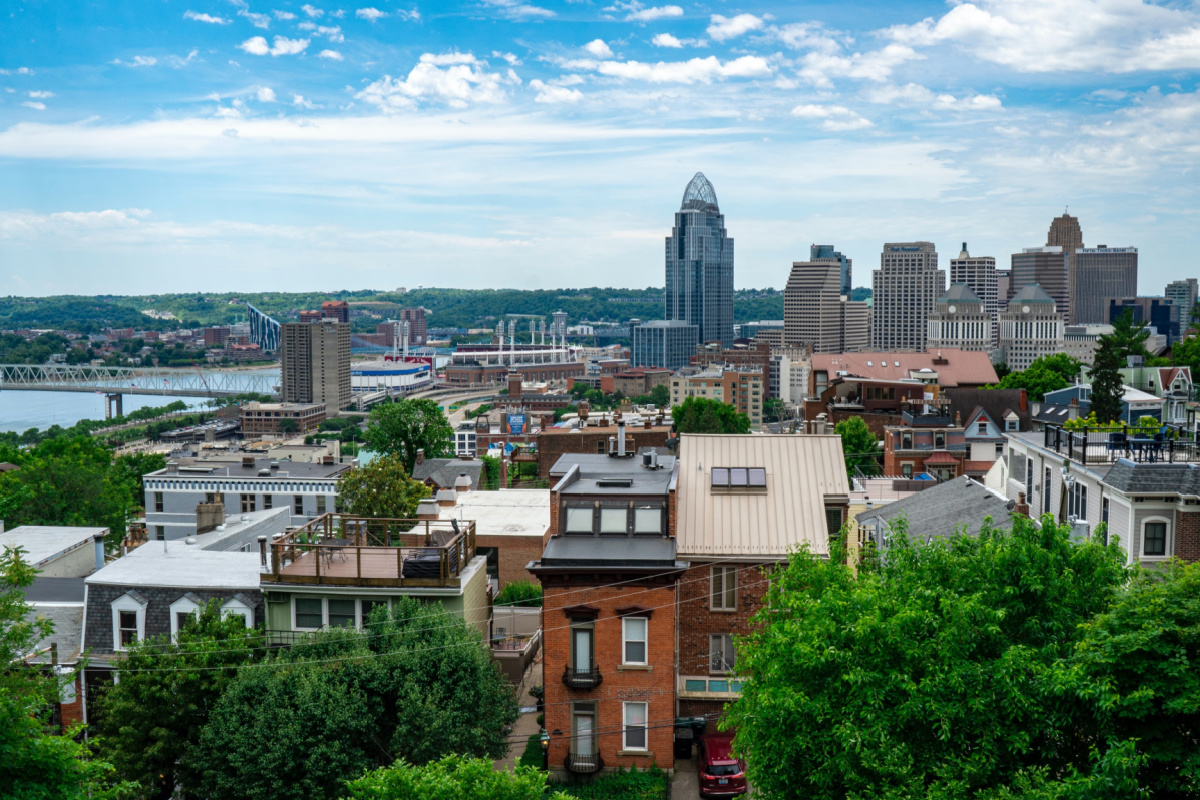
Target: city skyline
(203,145)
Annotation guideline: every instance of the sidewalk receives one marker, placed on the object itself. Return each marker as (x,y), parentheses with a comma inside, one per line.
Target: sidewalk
(527,725)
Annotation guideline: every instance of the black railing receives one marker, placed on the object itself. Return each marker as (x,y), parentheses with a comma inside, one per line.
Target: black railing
(1105,445)
(582,678)
(584,763)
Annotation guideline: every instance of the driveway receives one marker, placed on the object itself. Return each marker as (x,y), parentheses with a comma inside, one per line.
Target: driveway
(685,784)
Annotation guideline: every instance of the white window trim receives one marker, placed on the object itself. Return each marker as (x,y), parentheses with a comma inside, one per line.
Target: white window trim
(625,638)
(183,605)
(625,725)
(234,606)
(127,602)
(1170,542)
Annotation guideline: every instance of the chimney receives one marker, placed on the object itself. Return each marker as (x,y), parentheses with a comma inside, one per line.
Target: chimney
(1021,507)
(462,484)
(420,455)
(958,419)
(447,498)
(428,509)
(503,470)
(99,543)
(646,423)
(1073,408)
(262,551)
(621,438)
(612,445)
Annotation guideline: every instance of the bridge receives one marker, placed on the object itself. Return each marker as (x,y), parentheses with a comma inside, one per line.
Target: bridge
(116,381)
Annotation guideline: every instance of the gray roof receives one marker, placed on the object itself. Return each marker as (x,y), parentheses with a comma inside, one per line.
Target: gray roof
(55,590)
(960,292)
(1052,412)
(1030,293)
(941,510)
(595,470)
(224,469)
(68,631)
(444,471)
(601,551)
(1130,478)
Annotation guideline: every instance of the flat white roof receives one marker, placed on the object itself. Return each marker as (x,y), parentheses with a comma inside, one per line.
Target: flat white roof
(44,543)
(182,566)
(510,512)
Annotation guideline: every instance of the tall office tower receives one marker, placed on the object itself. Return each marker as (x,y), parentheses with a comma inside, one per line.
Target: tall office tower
(1047,267)
(1066,233)
(418,331)
(979,275)
(315,364)
(1100,273)
(1183,294)
(960,319)
(1159,313)
(817,314)
(664,343)
(1003,281)
(1031,328)
(905,287)
(338,310)
(700,265)
(825,252)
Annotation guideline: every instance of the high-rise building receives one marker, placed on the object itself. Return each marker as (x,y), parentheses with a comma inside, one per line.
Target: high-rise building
(558,325)
(825,252)
(1065,233)
(315,364)
(337,310)
(700,265)
(664,343)
(1183,294)
(308,316)
(905,288)
(1048,268)
(418,332)
(1157,312)
(817,314)
(960,320)
(978,273)
(264,331)
(1100,273)
(1030,328)
(1003,281)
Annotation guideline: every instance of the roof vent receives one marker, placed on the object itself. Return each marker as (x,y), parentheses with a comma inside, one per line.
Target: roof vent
(615,482)
(264,473)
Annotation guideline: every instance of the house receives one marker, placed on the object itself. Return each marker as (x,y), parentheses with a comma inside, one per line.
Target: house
(1010,407)
(744,503)
(878,402)
(947,509)
(1135,403)
(947,367)
(608,573)
(510,527)
(444,473)
(594,432)
(1172,385)
(985,438)
(926,442)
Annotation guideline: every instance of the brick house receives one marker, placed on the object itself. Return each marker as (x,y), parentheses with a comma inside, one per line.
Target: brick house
(592,436)
(608,574)
(925,441)
(876,401)
(744,503)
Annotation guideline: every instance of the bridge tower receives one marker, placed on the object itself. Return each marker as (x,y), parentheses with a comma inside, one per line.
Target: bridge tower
(111,400)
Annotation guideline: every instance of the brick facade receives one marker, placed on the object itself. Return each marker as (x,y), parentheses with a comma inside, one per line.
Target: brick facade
(513,554)
(1187,535)
(554,442)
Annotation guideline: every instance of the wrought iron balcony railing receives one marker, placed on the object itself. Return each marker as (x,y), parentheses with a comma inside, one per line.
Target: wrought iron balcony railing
(582,678)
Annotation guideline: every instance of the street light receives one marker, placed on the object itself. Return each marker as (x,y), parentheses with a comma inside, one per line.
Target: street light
(545,750)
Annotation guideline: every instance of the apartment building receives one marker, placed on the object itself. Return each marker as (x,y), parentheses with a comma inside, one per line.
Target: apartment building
(817,309)
(315,363)
(271,419)
(745,391)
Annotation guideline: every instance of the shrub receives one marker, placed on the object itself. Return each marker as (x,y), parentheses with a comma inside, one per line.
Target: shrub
(648,784)
(532,757)
(520,593)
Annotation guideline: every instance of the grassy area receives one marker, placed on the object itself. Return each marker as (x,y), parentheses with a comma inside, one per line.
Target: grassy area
(532,757)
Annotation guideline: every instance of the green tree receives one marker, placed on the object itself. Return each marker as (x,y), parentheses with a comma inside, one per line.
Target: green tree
(151,718)
(859,445)
(701,415)
(288,426)
(520,593)
(383,488)
(660,396)
(1107,387)
(926,675)
(299,724)
(1129,336)
(773,410)
(451,778)
(406,426)
(1045,374)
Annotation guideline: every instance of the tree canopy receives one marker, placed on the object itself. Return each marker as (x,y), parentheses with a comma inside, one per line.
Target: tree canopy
(1045,374)
(452,778)
(1108,389)
(702,415)
(383,488)
(408,425)
(859,446)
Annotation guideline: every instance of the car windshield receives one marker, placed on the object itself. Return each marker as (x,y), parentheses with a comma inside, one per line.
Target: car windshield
(721,770)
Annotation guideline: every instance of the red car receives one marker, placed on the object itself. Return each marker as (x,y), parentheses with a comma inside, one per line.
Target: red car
(721,775)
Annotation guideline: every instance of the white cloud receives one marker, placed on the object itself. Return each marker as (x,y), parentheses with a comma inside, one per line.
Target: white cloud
(722,28)
(598,48)
(512,60)
(312,11)
(138,61)
(833,118)
(637,11)
(554,94)
(876,65)
(518,10)
(257,46)
(463,80)
(917,95)
(265,94)
(334,34)
(299,102)
(34,104)
(695,70)
(177,62)
(284,15)
(209,18)
(332,55)
(41,95)
(666,40)
(807,36)
(257,20)
(20,71)
(371,14)
(408,15)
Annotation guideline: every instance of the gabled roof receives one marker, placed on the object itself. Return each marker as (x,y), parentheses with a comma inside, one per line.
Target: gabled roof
(801,473)
(1030,293)
(954,367)
(444,471)
(940,510)
(959,292)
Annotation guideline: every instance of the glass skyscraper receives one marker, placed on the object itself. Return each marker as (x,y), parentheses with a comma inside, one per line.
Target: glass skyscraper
(825,252)
(700,265)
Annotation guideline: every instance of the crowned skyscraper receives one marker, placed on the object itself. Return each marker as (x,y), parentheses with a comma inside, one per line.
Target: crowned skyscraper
(700,265)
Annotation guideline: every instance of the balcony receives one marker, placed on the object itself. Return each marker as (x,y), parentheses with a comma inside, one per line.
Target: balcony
(582,678)
(1105,445)
(339,550)
(584,763)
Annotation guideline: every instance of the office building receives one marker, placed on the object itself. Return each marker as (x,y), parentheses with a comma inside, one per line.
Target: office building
(817,313)
(749,330)
(906,286)
(978,273)
(1048,268)
(960,320)
(699,255)
(308,316)
(1065,233)
(1183,294)
(1003,282)
(264,331)
(1080,341)
(315,364)
(744,390)
(1030,328)
(1100,273)
(418,329)
(664,343)
(825,252)
(336,310)
(272,419)
(1157,312)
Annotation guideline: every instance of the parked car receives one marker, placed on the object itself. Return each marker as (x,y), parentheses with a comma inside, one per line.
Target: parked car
(721,775)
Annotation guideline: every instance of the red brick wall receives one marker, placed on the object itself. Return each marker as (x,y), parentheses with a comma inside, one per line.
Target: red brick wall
(72,713)
(514,552)
(553,445)
(1187,535)
(697,622)
(655,686)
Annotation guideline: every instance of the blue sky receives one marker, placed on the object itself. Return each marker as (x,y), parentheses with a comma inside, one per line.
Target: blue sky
(179,145)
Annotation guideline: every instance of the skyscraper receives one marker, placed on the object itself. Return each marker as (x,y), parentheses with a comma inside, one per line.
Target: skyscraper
(905,288)
(700,265)
(663,343)
(825,252)
(1183,294)
(418,330)
(960,320)
(816,313)
(315,364)
(1048,268)
(1100,273)
(1065,233)
(979,275)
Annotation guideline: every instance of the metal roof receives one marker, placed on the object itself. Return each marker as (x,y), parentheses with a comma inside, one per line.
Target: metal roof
(802,471)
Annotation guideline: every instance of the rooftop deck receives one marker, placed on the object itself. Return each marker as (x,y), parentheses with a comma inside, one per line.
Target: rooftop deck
(1170,444)
(339,550)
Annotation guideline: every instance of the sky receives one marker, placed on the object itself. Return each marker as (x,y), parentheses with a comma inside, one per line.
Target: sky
(266,145)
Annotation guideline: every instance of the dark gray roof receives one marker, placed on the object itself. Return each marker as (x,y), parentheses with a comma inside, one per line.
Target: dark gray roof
(1131,478)
(595,469)
(55,590)
(1052,412)
(217,469)
(68,632)
(942,509)
(1030,293)
(444,471)
(960,292)
(609,551)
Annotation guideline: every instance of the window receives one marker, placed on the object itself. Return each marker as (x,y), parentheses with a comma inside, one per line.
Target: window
(183,611)
(647,520)
(579,520)
(128,630)
(128,620)
(833,521)
(1047,478)
(236,607)
(320,504)
(724,589)
(368,608)
(614,520)
(181,620)
(722,657)
(1154,539)
(1104,512)
(298,505)
(1010,424)
(341,613)
(635,726)
(160,532)
(582,633)
(999,452)
(248,503)
(583,724)
(158,502)
(939,439)
(634,636)
(720,476)
(739,478)
(267,502)
(309,613)
(906,441)
(600,447)
(981,429)
(906,469)
(758,477)
(1028,476)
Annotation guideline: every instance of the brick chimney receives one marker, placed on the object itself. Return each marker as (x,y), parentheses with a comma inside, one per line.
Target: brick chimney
(420,455)
(1073,408)
(1022,507)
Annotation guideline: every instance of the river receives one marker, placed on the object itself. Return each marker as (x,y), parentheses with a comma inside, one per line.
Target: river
(21,410)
